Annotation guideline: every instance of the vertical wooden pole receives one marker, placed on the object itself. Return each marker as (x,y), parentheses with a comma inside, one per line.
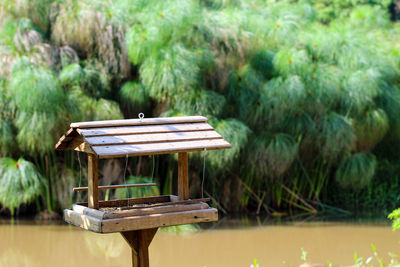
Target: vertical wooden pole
(93,177)
(139,241)
(183,176)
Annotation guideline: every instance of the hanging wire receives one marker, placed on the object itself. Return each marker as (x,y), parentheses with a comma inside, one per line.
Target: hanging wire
(126,166)
(80,168)
(204,172)
(154,164)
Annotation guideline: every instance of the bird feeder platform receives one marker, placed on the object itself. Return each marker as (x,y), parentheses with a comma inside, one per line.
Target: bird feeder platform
(139,218)
(140,213)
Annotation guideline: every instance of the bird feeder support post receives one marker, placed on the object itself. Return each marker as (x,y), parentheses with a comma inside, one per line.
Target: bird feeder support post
(93,177)
(139,241)
(183,176)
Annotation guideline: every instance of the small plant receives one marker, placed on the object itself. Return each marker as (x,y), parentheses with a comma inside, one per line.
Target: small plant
(255,263)
(303,255)
(395,217)
(360,262)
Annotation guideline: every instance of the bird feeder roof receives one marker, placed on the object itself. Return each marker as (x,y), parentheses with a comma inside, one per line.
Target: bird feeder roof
(136,137)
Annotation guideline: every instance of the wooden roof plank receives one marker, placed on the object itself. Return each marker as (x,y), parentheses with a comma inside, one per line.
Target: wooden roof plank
(152,138)
(65,140)
(125,130)
(137,122)
(159,148)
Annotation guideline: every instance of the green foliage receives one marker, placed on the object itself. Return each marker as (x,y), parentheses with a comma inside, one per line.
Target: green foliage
(303,90)
(107,110)
(9,27)
(280,153)
(292,62)
(236,133)
(375,258)
(356,170)
(86,27)
(336,136)
(169,73)
(20,183)
(38,11)
(6,137)
(6,117)
(371,129)
(96,82)
(71,75)
(134,95)
(40,105)
(395,217)
(263,62)
(330,10)
(148,191)
(205,102)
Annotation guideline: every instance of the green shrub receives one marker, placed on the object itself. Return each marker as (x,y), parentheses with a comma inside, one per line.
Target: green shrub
(21,183)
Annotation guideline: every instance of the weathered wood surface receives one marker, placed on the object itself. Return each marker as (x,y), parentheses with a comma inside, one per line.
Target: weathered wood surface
(149,202)
(139,222)
(152,138)
(63,143)
(173,202)
(133,122)
(183,176)
(82,220)
(154,210)
(159,148)
(109,139)
(88,211)
(191,204)
(85,147)
(93,182)
(149,129)
(132,201)
(105,187)
(158,220)
(139,241)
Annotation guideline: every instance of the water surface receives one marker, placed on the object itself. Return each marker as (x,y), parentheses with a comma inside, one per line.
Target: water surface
(25,244)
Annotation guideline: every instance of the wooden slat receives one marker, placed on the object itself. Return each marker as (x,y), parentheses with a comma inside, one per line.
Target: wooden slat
(105,187)
(125,130)
(155,210)
(159,148)
(85,147)
(88,211)
(172,203)
(132,201)
(158,220)
(84,221)
(133,122)
(63,142)
(152,138)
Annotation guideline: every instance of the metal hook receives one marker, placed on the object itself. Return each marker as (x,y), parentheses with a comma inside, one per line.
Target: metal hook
(141,116)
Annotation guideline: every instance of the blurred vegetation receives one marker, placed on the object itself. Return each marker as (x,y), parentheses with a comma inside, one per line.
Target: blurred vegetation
(307,93)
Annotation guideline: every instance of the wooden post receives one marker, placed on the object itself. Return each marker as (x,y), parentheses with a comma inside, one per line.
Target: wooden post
(93,176)
(139,241)
(183,176)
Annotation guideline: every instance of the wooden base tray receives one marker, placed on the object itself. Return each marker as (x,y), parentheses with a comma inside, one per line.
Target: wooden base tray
(139,213)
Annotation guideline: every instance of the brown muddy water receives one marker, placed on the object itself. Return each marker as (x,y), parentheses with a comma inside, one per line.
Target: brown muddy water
(26,244)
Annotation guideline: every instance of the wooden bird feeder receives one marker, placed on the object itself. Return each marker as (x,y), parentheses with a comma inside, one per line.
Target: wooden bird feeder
(139,218)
